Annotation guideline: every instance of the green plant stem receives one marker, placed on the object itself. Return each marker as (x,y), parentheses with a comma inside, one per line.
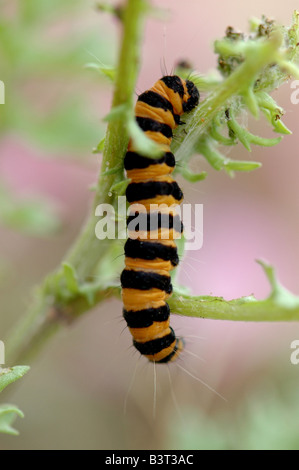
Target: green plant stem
(88,250)
(198,123)
(44,319)
(278,307)
(242,309)
(45,314)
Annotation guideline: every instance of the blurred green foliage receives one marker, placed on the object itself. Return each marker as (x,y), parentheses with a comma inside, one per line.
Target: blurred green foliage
(33,217)
(266,420)
(43,52)
(49,91)
(8,413)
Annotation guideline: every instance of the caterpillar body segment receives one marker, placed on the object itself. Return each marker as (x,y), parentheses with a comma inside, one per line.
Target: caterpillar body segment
(153,224)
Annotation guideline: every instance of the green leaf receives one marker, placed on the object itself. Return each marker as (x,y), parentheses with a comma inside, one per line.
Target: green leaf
(241,165)
(106,70)
(190,175)
(272,111)
(205,147)
(112,171)
(215,133)
(120,187)
(8,414)
(219,161)
(70,278)
(117,112)
(117,11)
(246,138)
(100,146)
(251,102)
(142,143)
(289,68)
(11,374)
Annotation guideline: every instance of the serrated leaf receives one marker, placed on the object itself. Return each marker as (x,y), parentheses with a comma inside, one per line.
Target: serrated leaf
(247,138)
(11,374)
(8,414)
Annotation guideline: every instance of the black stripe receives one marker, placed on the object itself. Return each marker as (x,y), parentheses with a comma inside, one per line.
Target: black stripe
(145,317)
(170,356)
(142,280)
(153,221)
(151,251)
(155,346)
(155,100)
(193,97)
(158,101)
(148,124)
(133,160)
(175,83)
(139,191)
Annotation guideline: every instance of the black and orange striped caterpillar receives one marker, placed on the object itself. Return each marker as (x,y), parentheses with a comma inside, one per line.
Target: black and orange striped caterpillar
(149,256)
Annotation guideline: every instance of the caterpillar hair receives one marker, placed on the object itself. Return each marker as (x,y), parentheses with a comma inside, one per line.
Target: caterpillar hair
(151,252)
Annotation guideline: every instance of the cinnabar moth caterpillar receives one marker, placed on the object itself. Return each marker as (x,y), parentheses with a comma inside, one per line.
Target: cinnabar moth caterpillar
(146,282)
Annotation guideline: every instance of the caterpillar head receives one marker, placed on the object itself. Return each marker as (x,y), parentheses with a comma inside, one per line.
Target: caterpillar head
(191,98)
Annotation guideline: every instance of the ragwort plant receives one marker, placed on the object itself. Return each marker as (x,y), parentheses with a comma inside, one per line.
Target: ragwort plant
(250,66)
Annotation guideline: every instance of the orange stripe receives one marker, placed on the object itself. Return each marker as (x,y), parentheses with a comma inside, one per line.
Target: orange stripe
(162,354)
(158,265)
(158,114)
(156,330)
(137,299)
(175,99)
(151,172)
(159,138)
